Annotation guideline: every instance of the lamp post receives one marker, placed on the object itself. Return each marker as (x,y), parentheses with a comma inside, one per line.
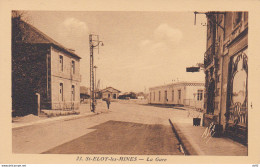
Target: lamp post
(93,42)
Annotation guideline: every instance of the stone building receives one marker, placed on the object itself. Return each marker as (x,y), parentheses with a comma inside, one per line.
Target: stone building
(226,73)
(180,93)
(42,65)
(109,92)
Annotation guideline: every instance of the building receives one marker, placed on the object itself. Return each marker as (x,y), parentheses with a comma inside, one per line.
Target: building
(226,73)
(84,93)
(180,93)
(41,65)
(109,92)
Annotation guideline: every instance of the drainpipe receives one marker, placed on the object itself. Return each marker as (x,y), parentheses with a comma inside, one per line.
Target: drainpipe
(222,66)
(47,74)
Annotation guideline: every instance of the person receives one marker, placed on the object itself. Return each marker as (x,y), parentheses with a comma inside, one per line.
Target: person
(108,102)
(93,107)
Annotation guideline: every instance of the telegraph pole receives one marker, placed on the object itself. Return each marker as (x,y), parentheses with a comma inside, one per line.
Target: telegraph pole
(93,42)
(95,89)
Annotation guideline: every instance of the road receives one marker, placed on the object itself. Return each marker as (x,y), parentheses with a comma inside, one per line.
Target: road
(129,129)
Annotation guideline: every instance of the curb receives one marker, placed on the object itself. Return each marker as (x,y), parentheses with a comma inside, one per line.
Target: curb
(187,147)
(48,120)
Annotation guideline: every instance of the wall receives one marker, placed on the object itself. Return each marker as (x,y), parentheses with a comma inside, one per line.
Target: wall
(105,95)
(67,78)
(192,100)
(28,76)
(187,94)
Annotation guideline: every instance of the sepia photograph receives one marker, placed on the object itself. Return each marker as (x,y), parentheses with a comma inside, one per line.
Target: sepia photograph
(130,86)
(133,83)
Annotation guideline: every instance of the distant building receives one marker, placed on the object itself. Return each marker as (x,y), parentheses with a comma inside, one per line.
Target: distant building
(140,95)
(128,95)
(41,65)
(180,93)
(226,73)
(84,93)
(109,92)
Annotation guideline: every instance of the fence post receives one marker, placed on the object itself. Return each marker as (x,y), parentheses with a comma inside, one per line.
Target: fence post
(38,96)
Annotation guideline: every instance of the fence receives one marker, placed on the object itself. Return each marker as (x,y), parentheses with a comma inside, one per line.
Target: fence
(194,103)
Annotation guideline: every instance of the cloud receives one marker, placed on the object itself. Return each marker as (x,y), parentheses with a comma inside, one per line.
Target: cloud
(163,37)
(162,55)
(73,29)
(165,32)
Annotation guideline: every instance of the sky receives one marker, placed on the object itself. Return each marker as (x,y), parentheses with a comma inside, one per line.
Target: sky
(141,49)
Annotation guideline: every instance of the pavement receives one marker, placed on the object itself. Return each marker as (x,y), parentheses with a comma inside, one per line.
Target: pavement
(181,119)
(195,143)
(34,120)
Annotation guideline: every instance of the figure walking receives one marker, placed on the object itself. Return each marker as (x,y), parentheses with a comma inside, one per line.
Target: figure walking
(108,102)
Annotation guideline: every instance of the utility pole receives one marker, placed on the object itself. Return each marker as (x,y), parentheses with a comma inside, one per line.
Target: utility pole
(93,42)
(95,67)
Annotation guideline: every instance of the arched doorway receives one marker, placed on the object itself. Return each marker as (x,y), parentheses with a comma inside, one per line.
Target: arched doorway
(237,108)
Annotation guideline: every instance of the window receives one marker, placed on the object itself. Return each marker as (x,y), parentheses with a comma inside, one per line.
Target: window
(61,92)
(173,95)
(246,16)
(159,95)
(179,93)
(199,95)
(218,78)
(61,63)
(237,17)
(73,66)
(216,105)
(73,92)
(165,96)
(209,30)
(218,92)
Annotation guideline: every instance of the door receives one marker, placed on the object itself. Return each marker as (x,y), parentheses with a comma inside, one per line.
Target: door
(165,97)
(210,98)
(179,96)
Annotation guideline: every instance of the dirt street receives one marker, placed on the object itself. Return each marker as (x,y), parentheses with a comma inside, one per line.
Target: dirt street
(125,129)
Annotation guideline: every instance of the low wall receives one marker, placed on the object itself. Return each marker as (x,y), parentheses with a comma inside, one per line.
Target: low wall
(55,113)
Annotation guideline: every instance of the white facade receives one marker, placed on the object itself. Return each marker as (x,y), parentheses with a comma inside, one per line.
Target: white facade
(182,93)
(65,80)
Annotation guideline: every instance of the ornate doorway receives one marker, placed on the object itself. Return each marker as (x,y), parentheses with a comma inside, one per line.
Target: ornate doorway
(237,109)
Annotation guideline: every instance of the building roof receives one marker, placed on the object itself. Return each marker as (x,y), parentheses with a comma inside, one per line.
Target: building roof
(110,89)
(84,90)
(185,83)
(32,35)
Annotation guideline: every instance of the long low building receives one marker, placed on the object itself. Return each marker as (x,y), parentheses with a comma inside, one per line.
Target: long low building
(180,93)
